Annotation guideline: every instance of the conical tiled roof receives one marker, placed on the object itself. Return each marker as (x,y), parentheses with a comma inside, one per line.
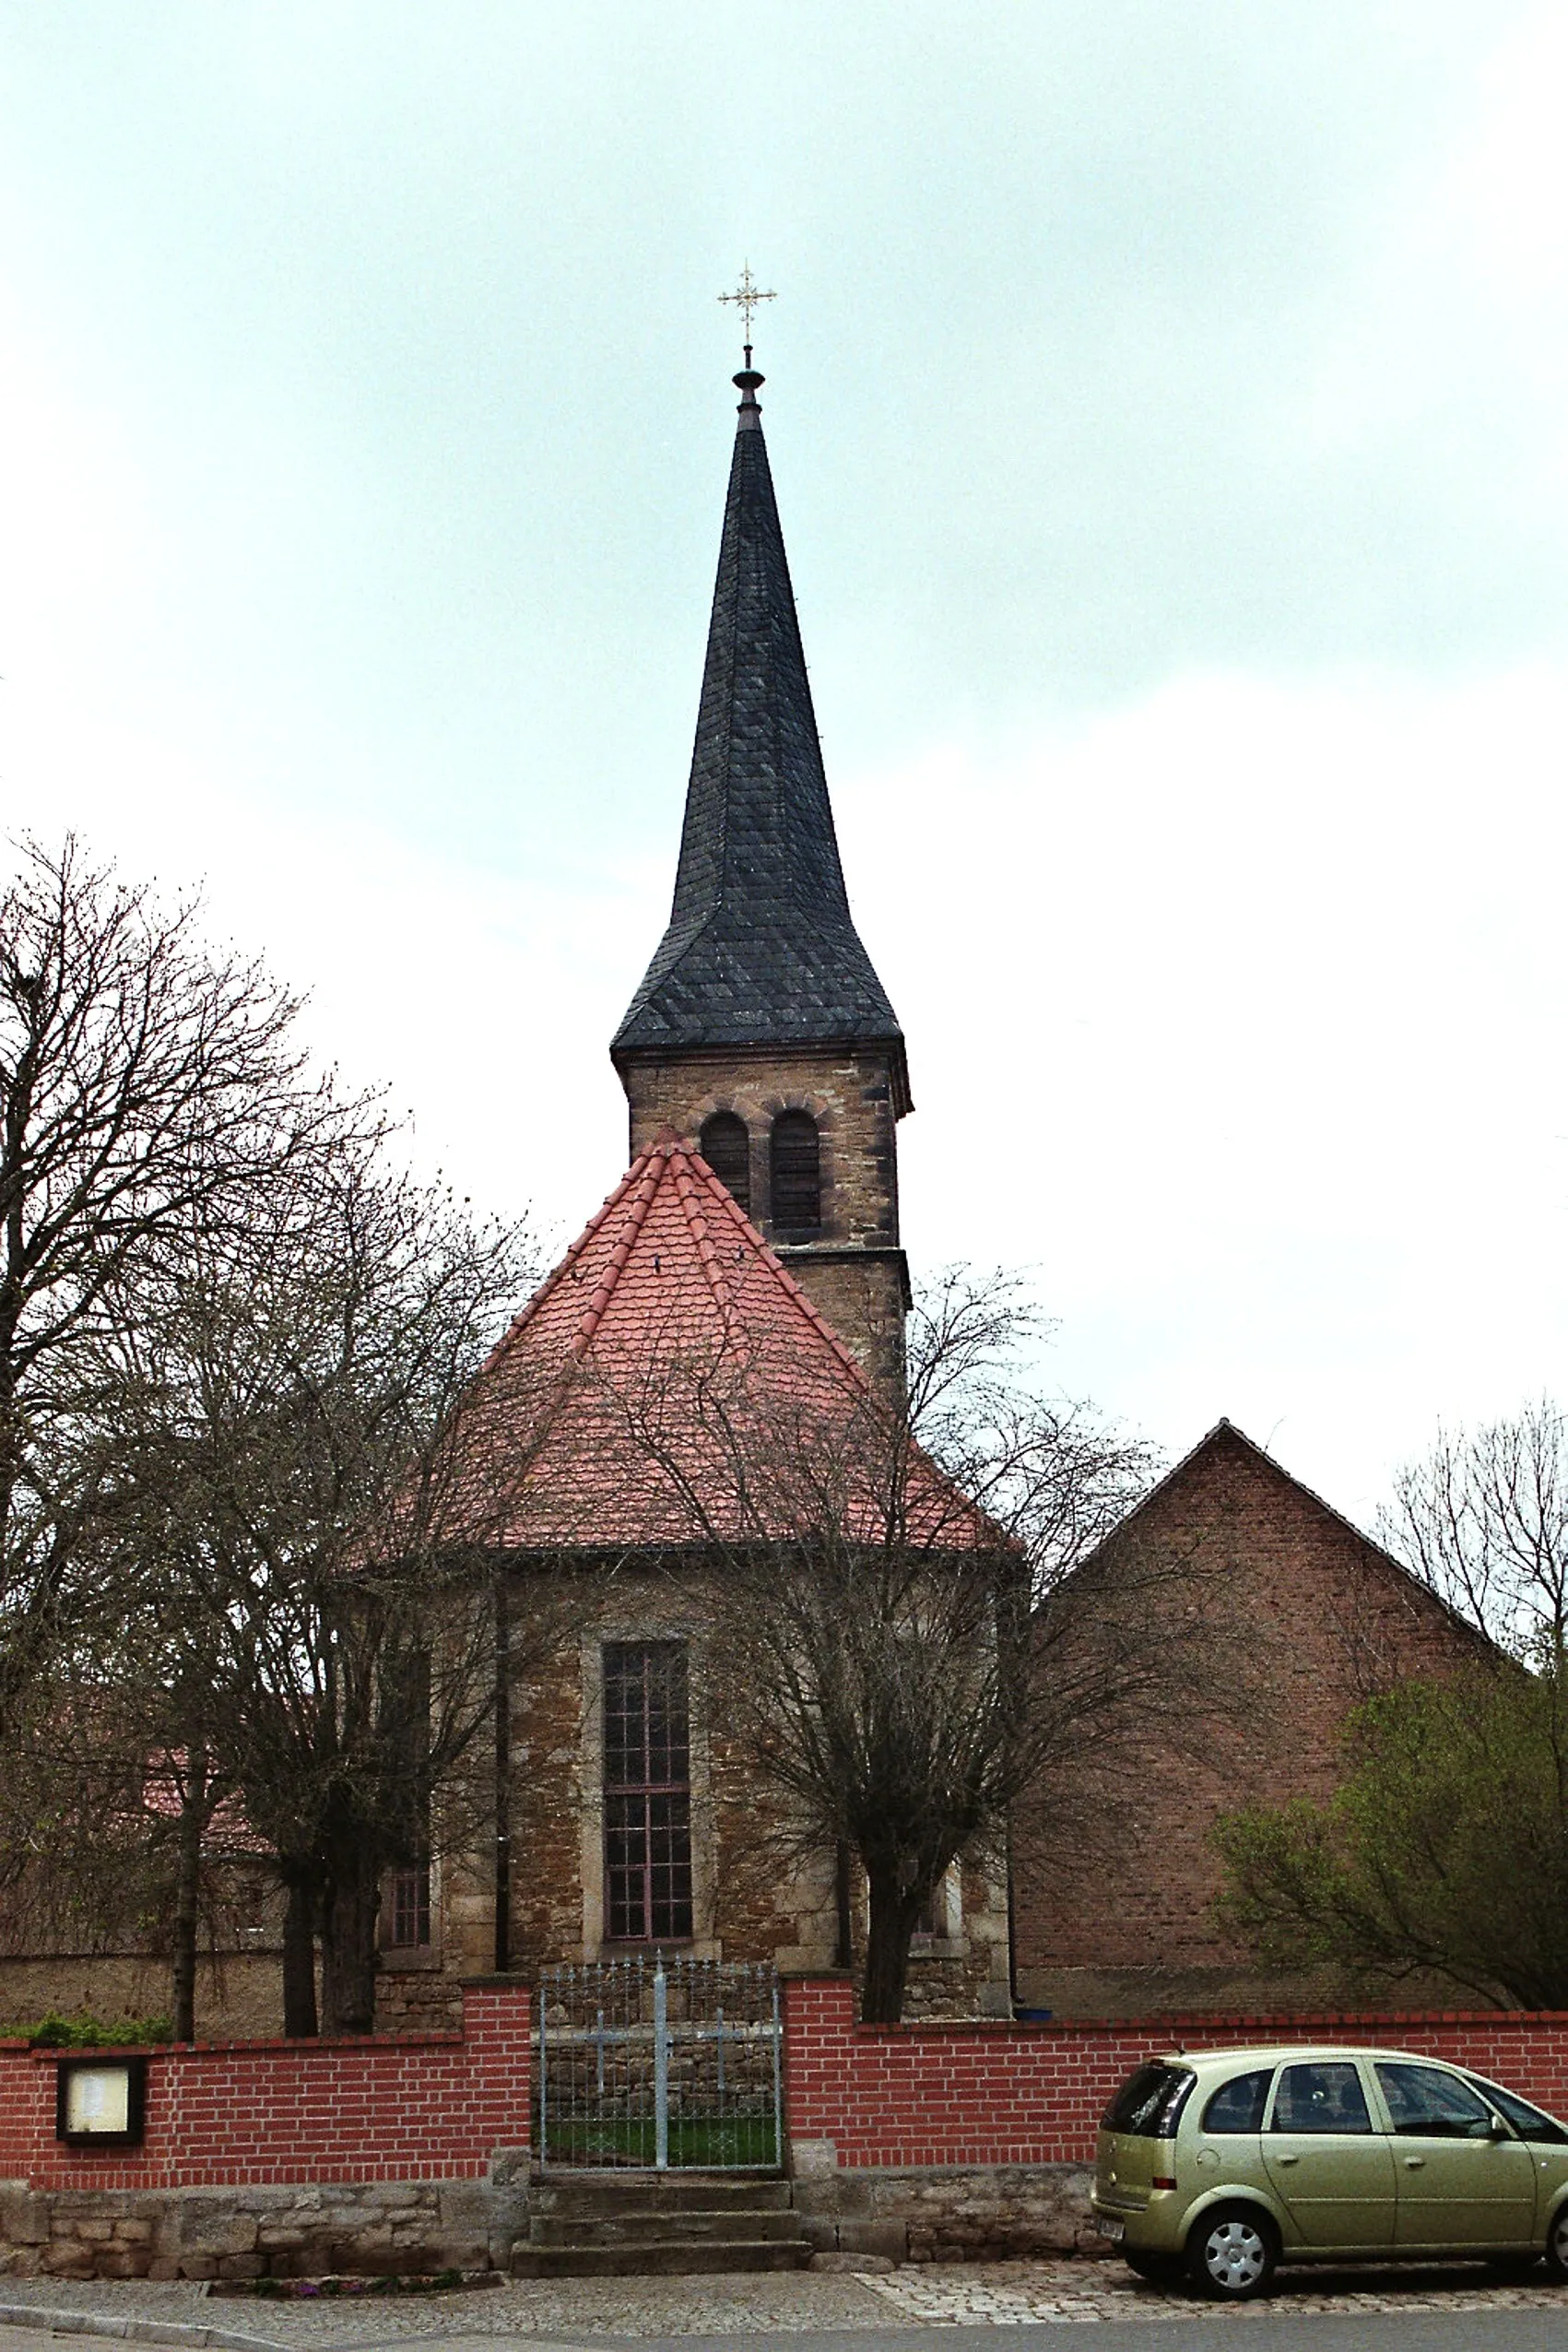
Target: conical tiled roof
(672,1383)
(761,949)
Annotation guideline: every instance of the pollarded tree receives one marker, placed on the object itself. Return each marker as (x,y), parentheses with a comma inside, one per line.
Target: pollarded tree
(885,1582)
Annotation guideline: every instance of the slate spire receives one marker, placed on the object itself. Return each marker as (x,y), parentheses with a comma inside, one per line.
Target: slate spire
(762,949)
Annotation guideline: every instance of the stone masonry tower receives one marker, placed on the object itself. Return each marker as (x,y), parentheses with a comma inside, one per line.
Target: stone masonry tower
(760,1032)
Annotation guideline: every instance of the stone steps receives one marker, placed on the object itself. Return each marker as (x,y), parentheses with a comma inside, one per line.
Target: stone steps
(610,2192)
(604,2226)
(650,2229)
(660,2257)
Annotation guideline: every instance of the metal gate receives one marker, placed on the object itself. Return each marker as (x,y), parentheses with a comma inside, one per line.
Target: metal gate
(656,2064)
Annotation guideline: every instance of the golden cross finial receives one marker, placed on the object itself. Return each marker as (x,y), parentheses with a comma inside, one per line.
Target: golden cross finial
(748,294)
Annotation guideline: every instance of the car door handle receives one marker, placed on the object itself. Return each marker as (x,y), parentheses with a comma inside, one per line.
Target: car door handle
(1288,2159)
(1414,2163)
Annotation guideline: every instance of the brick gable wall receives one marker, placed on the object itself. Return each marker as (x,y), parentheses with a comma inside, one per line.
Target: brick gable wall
(1113,1889)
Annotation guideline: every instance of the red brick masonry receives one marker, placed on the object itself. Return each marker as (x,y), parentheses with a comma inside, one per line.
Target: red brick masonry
(437,2106)
(433,2106)
(1007,2094)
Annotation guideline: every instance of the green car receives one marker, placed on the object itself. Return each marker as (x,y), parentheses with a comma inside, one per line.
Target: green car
(1219,2164)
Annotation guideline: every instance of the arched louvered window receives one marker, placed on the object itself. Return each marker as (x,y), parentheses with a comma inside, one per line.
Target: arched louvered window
(797,1174)
(726,1147)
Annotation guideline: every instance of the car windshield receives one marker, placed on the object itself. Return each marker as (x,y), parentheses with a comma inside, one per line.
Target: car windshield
(1149,2103)
(1527,2121)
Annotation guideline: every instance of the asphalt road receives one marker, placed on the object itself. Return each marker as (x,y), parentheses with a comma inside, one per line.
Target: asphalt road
(1501,2330)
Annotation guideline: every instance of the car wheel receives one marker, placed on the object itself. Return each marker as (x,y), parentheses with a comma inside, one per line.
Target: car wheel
(1232,2253)
(1161,2270)
(1557,2244)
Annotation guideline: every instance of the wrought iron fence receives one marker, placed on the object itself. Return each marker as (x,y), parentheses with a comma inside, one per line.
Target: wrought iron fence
(648,2063)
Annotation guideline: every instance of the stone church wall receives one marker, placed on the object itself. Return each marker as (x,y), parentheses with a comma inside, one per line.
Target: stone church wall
(755,1896)
(849,1092)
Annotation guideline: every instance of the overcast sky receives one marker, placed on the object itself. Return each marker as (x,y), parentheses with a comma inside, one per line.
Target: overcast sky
(1167,408)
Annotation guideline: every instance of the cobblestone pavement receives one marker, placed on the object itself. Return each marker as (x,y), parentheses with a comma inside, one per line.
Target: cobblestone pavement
(546,2313)
(1014,2293)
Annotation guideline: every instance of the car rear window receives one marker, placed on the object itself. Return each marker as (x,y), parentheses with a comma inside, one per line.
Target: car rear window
(1149,2103)
(1527,2121)
(1238,2105)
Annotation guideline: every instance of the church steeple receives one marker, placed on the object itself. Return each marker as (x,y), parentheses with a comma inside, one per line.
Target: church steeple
(762,949)
(760,1032)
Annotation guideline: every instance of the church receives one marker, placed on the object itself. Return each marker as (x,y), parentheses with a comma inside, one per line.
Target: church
(765,1077)
(765,1074)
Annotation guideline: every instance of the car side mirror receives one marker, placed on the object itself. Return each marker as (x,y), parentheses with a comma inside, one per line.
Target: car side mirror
(1499,2130)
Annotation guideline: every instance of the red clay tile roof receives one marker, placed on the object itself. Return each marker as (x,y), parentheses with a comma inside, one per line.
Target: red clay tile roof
(670,1382)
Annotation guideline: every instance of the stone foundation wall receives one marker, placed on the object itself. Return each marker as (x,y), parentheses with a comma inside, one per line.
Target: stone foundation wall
(312,2231)
(977,2213)
(951,2213)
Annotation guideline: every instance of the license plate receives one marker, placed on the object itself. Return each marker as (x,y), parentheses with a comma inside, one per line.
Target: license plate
(1112,2231)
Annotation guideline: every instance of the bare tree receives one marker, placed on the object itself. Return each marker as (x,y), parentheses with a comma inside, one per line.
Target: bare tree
(145,1087)
(1483,1521)
(316,1569)
(883,1589)
(233,1348)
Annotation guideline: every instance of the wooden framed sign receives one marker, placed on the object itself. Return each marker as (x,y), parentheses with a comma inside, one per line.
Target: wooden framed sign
(100,2103)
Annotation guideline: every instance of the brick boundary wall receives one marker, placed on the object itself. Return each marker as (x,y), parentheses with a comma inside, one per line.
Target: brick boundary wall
(1007,2094)
(440,2106)
(429,2107)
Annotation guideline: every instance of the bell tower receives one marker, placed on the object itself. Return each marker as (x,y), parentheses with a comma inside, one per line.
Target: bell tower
(760,1032)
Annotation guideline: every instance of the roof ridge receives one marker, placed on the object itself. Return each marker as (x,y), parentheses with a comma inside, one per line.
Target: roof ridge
(558,1272)
(605,1289)
(1226,1427)
(688,1194)
(771,1259)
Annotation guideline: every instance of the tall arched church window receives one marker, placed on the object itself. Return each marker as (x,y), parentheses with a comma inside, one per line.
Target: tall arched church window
(726,1146)
(797,1174)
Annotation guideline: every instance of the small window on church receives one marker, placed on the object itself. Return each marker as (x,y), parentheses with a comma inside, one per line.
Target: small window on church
(798,1174)
(407,1910)
(935,1922)
(726,1144)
